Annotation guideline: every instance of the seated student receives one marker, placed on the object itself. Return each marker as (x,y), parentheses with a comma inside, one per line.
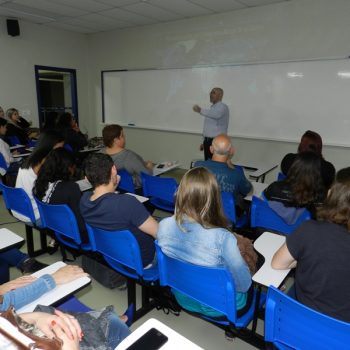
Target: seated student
(68,126)
(108,210)
(114,140)
(29,169)
(302,188)
(320,252)
(230,178)
(11,163)
(54,185)
(14,127)
(198,234)
(26,289)
(311,142)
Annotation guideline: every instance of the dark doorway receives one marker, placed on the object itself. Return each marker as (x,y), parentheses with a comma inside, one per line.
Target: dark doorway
(56,90)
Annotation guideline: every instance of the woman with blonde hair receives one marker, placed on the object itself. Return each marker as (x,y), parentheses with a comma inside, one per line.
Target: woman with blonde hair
(198,233)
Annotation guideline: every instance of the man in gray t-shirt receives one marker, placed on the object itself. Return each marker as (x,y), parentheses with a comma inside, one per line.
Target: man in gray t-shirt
(114,140)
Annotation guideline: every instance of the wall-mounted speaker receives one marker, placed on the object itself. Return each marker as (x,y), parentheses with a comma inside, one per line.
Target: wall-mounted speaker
(12,27)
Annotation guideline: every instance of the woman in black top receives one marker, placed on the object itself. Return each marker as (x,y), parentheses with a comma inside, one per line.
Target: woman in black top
(320,252)
(54,185)
(311,142)
(68,126)
(14,127)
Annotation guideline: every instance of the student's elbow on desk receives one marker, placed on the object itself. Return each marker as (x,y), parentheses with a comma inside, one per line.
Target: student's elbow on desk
(282,259)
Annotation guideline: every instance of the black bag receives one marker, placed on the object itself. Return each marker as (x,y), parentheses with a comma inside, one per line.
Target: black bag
(165,300)
(102,273)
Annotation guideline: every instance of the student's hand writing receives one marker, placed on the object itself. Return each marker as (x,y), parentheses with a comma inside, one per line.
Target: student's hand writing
(17,283)
(68,273)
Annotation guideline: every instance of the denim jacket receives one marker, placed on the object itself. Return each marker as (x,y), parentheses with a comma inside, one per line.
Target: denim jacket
(27,294)
(215,247)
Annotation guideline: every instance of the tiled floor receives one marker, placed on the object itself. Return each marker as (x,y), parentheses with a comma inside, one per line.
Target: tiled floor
(96,296)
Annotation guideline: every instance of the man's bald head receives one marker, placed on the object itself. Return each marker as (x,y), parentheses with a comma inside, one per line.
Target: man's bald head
(216,94)
(222,146)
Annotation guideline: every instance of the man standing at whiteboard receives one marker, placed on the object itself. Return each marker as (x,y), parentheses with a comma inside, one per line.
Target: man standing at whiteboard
(216,119)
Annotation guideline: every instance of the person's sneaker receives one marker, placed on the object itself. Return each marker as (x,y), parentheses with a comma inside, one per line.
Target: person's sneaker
(31,265)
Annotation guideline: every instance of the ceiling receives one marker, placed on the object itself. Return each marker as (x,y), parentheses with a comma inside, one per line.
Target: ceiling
(92,16)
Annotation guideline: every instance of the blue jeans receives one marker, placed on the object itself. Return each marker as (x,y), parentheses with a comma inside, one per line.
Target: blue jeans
(99,327)
(11,257)
(116,331)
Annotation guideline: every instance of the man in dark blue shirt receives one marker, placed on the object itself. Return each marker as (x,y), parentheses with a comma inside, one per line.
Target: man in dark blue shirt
(230,178)
(105,209)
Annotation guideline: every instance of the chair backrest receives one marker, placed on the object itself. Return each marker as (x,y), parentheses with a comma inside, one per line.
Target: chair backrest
(289,324)
(3,164)
(280,176)
(119,248)
(18,200)
(68,147)
(228,203)
(126,182)
(213,287)
(60,219)
(14,140)
(263,216)
(160,190)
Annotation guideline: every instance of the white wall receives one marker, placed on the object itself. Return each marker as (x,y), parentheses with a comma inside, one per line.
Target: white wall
(39,45)
(295,30)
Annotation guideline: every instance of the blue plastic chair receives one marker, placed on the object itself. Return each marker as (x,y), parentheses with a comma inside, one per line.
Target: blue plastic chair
(32,143)
(126,182)
(213,287)
(68,147)
(14,140)
(122,252)
(160,191)
(72,304)
(291,325)
(229,206)
(280,176)
(263,216)
(3,164)
(61,219)
(16,199)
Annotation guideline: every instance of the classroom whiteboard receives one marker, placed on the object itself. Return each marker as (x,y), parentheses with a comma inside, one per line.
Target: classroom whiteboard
(276,101)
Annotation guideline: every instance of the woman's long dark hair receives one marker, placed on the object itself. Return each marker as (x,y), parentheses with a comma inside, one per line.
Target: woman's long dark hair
(58,166)
(47,141)
(304,178)
(64,121)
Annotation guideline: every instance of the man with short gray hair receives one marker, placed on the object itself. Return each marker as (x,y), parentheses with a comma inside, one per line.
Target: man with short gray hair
(229,177)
